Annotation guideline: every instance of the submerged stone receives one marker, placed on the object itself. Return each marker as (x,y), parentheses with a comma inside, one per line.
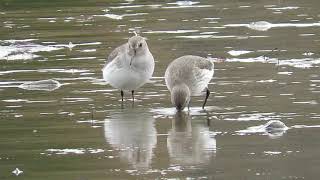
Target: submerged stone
(275,125)
(42,85)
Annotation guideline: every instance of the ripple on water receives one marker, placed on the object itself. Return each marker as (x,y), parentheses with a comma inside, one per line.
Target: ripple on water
(298,63)
(312,102)
(23,49)
(185,4)
(135,6)
(195,111)
(73,151)
(206,36)
(238,52)
(264,25)
(77,99)
(45,71)
(170,31)
(254,117)
(283,8)
(120,17)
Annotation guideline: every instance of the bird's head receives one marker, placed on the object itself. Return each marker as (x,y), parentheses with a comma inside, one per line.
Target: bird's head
(137,45)
(180,96)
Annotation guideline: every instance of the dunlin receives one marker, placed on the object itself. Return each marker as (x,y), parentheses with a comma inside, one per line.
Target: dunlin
(129,66)
(188,76)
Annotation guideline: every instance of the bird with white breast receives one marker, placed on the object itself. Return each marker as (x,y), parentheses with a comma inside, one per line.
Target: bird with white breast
(188,76)
(129,66)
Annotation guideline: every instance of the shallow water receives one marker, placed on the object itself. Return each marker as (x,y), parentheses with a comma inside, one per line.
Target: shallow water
(59,120)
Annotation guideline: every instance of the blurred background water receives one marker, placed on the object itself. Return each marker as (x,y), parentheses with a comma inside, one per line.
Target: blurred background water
(59,120)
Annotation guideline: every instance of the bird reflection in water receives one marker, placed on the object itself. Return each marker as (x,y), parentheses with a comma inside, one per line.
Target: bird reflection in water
(132,133)
(190,142)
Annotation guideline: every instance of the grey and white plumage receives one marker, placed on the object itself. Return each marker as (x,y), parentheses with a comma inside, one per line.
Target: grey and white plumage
(129,66)
(188,76)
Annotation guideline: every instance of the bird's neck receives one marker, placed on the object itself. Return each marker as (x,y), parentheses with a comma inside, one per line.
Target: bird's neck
(141,60)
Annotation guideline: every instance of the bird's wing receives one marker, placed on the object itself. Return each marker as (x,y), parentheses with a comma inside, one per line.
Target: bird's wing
(203,71)
(204,64)
(115,53)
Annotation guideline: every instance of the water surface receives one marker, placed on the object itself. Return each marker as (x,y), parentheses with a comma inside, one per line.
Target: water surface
(59,120)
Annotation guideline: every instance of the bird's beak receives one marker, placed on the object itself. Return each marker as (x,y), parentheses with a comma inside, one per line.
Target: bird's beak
(135,52)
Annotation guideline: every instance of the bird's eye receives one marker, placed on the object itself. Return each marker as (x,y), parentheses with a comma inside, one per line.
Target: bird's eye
(140,45)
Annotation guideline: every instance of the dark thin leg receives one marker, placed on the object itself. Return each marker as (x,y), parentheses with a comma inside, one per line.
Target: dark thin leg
(121,95)
(208,119)
(132,93)
(205,101)
(91,117)
(189,105)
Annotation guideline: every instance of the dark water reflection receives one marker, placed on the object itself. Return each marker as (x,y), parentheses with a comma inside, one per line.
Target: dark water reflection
(190,143)
(60,120)
(133,134)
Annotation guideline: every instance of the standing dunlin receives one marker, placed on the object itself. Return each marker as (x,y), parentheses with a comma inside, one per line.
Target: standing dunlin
(129,66)
(188,76)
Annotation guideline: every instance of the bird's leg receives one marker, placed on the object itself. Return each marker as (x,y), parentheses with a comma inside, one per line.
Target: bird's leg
(121,95)
(208,119)
(207,95)
(189,105)
(132,93)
